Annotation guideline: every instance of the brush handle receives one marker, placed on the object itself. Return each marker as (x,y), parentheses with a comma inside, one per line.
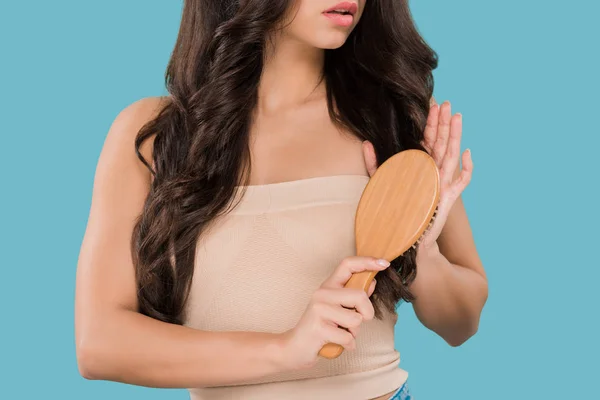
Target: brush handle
(359,280)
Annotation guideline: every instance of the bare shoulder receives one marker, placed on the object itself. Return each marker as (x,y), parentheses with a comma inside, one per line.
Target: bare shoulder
(138,113)
(130,120)
(105,276)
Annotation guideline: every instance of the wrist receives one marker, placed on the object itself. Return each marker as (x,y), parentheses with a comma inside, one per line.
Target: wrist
(291,356)
(431,265)
(278,352)
(427,254)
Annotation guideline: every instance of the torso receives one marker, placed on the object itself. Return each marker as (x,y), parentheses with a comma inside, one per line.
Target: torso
(303,143)
(282,241)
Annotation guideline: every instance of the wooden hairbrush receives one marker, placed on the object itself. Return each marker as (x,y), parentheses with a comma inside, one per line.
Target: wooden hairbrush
(396,208)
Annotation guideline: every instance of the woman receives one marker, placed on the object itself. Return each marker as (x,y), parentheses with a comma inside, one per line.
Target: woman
(220,234)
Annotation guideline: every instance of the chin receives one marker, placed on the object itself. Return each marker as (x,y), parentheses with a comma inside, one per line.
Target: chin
(331,40)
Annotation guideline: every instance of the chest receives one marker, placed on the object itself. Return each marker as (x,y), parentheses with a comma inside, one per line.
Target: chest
(257,268)
(292,147)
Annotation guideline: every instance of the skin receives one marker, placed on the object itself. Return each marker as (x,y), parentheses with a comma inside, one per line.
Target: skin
(451,285)
(292,138)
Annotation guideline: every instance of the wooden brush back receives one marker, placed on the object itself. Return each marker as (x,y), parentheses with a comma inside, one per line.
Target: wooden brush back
(393,212)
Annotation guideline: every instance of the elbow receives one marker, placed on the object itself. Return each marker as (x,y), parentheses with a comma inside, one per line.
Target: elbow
(87,362)
(98,348)
(90,360)
(460,334)
(458,338)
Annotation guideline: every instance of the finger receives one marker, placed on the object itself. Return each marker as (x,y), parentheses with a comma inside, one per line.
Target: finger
(451,160)
(371,288)
(351,265)
(370,157)
(354,331)
(333,334)
(467,171)
(443,132)
(430,132)
(354,299)
(432,101)
(346,318)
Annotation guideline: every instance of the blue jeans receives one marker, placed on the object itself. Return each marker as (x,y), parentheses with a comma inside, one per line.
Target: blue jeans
(402,393)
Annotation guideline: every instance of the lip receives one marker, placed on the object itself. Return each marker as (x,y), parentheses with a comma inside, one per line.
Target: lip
(348,6)
(344,20)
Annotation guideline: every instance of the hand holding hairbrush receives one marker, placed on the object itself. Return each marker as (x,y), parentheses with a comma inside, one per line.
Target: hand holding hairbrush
(395,209)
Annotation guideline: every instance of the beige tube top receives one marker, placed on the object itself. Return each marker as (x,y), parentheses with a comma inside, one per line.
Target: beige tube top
(256,270)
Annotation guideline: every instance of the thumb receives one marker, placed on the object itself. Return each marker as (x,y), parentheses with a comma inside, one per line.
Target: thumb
(371,288)
(432,101)
(370,157)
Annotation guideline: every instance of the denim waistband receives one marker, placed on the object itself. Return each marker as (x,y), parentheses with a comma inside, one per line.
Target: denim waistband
(402,393)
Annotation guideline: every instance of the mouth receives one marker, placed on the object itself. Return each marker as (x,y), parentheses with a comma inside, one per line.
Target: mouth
(342,14)
(343,8)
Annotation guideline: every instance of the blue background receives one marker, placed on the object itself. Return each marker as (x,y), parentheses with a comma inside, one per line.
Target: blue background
(525,76)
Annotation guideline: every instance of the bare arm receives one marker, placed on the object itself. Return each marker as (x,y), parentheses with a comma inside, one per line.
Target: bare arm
(115,342)
(451,285)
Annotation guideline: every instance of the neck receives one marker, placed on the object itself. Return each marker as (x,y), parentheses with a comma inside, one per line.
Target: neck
(291,73)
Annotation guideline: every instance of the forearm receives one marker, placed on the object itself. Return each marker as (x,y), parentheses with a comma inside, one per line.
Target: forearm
(449,297)
(132,348)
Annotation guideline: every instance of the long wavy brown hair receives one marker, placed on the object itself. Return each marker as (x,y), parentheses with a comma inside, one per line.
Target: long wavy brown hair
(380,81)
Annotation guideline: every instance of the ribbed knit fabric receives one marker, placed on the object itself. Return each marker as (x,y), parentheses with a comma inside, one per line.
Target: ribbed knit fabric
(256,270)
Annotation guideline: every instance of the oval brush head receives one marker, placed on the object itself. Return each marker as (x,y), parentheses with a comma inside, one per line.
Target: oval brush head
(395,209)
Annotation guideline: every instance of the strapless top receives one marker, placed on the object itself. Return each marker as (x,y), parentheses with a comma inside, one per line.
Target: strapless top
(256,270)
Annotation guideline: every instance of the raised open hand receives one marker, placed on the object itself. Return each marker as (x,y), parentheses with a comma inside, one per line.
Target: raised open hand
(442,137)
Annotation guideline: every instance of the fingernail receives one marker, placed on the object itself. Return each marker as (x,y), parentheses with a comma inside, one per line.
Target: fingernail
(383,263)
(459,116)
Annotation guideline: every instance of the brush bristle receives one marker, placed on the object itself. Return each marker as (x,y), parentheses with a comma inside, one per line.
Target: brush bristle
(414,246)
